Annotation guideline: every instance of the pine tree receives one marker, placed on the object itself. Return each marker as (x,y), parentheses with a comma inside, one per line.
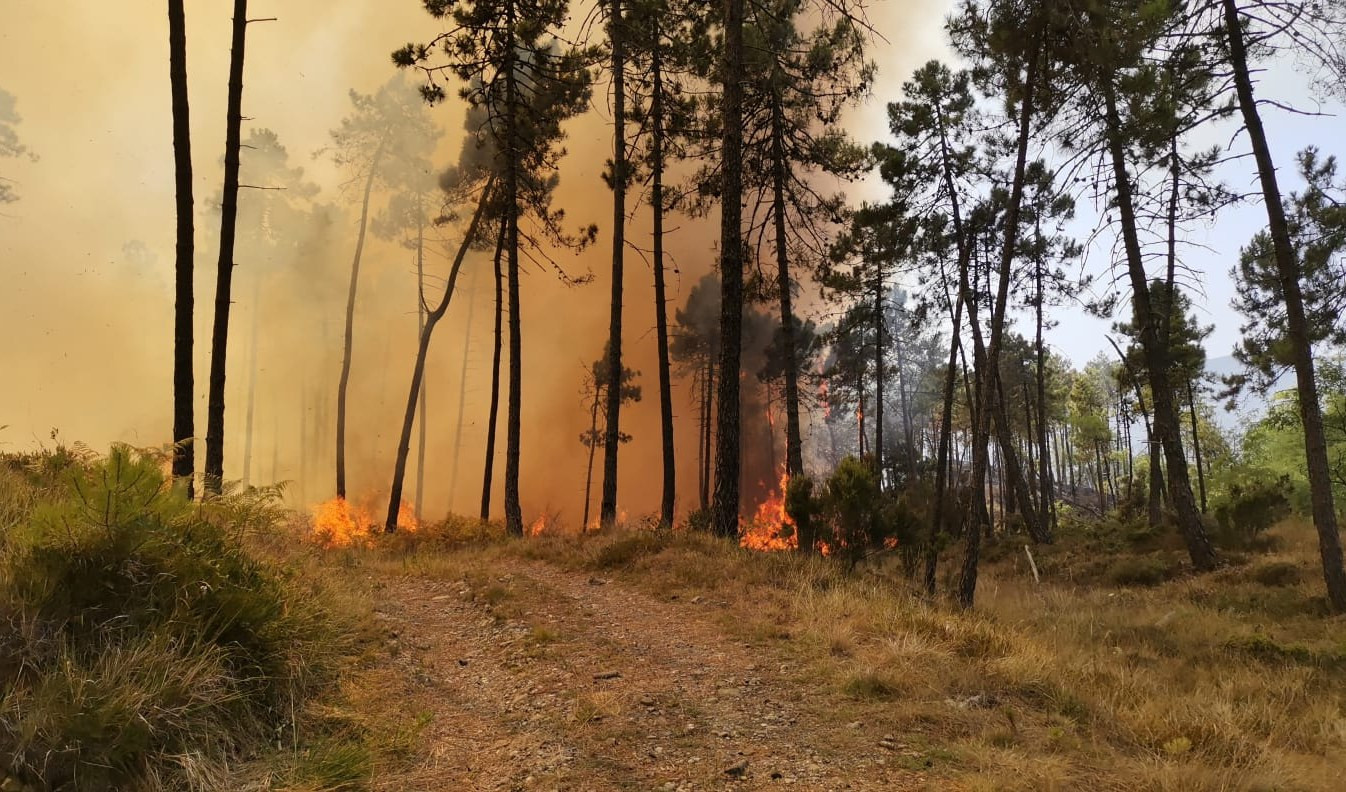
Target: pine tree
(513,68)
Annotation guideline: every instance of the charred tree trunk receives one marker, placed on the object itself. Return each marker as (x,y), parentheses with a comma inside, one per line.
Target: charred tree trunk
(1196,446)
(349,339)
(462,389)
(794,443)
(420,329)
(593,447)
(513,420)
(1301,346)
(667,500)
(251,408)
(422,351)
(219,342)
(184,421)
(1166,421)
(727,453)
(967,586)
(878,375)
(607,512)
(493,414)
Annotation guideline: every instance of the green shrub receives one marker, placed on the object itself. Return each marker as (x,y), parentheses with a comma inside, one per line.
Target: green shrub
(1250,507)
(853,504)
(136,629)
(1141,571)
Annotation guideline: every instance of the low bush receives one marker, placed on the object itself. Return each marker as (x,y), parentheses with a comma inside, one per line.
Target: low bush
(140,641)
(1251,506)
(1141,570)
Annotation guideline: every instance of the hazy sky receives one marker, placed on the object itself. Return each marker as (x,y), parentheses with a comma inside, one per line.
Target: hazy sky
(86,255)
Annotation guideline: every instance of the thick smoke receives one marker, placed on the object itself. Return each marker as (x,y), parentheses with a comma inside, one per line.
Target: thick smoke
(86,257)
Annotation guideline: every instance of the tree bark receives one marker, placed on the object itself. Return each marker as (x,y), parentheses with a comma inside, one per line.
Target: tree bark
(794,443)
(184,424)
(513,420)
(878,375)
(219,342)
(1166,421)
(420,328)
(492,417)
(422,351)
(607,512)
(727,454)
(1301,345)
(668,499)
(349,338)
(462,389)
(981,436)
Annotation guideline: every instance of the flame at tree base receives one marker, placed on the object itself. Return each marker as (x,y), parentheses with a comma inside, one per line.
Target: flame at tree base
(339,523)
(771,529)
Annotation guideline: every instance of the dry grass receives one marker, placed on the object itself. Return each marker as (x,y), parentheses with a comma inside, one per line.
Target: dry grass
(1231,681)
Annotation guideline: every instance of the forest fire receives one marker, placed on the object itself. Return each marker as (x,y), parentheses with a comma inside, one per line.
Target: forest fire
(771,528)
(339,523)
(539,526)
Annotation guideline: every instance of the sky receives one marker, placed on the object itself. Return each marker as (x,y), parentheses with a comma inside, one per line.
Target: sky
(86,255)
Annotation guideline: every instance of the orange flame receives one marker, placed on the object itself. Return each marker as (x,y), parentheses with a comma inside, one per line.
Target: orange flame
(339,523)
(771,528)
(539,526)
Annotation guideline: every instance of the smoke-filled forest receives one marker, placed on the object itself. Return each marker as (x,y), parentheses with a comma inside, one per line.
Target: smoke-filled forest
(653,394)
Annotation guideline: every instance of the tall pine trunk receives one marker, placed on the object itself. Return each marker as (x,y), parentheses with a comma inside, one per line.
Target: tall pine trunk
(607,510)
(513,421)
(421,321)
(184,423)
(251,407)
(593,446)
(493,412)
(727,454)
(1297,329)
(794,443)
(349,338)
(462,392)
(1166,422)
(422,351)
(668,497)
(967,585)
(219,341)
(878,374)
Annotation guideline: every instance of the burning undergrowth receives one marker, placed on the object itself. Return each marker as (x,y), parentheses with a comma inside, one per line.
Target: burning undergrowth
(338,523)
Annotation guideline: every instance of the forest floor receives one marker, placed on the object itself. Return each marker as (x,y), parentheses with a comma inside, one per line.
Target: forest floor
(534,677)
(640,661)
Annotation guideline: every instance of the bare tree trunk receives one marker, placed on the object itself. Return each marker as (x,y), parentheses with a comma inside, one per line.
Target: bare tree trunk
(494,410)
(668,499)
(607,511)
(422,351)
(1297,329)
(878,375)
(727,453)
(967,586)
(1196,446)
(420,328)
(1166,421)
(219,343)
(349,339)
(252,379)
(462,388)
(944,460)
(593,446)
(514,415)
(184,423)
(794,443)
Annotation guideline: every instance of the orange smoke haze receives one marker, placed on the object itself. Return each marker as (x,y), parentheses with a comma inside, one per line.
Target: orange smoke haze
(86,262)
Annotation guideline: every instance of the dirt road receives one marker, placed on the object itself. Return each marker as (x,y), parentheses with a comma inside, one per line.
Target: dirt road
(531,677)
